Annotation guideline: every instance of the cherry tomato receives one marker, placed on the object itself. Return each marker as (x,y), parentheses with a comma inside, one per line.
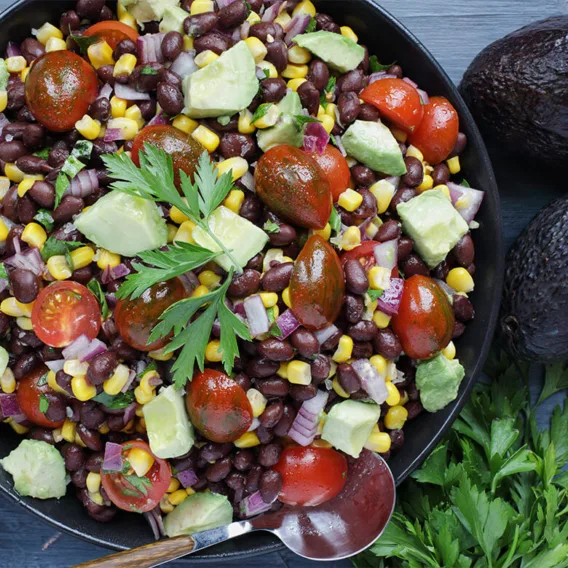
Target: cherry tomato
(112,32)
(30,388)
(63,311)
(311,475)
(218,407)
(317,284)
(135,319)
(399,102)
(141,494)
(293,186)
(425,320)
(438,133)
(334,165)
(365,251)
(183,149)
(59,89)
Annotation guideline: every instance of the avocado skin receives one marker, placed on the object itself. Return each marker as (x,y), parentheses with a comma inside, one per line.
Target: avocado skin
(535,296)
(517,90)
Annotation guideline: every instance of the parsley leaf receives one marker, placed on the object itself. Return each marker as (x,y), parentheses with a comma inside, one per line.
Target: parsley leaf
(45,217)
(95,287)
(83,41)
(311,26)
(3,273)
(465,183)
(375,294)
(335,220)
(54,247)
(42,380)
(375,66)
(151,367)
(261,111)
(271,227)
(121,400)
(71,167)
(141,484)
(43,153)
(300,121)
(43,403)
(328,91)
(556,380)
(148,70)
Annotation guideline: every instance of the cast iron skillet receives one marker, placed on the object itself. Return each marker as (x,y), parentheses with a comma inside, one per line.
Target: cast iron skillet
(390,41)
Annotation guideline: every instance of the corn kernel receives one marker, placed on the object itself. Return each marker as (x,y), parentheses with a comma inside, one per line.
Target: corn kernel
(200,291)
(75,368)
(88,128)
(81,257)
(207,138)
(381,319)
(209,278)
(142,397)
(395,417)
(269,70)
(174,485)
(4,97)
(286,297)
(18,428)
(93,482)
(165,506)
(339,389)
(125,65)
(51,381)
(187,43)
(202,6)
(4,231)
(257,401)
(107,259)
(184,123)
(344,349)
(295,84)
(177,216)
(180,495)
(460,280)
(104,429)
(449,352)
(414,152)
(145,382)
(234,200)
(68,431)
(404,398)
(58,267)
(380,364)
(57,437)
(379,442)
(25,323)
(324,233)
(128,20)
(213,352)
(400,135)
(247,440)
(379,278)
(13,173)
(129,428)
(8,382)
(141,461)
(128,126)
(331,109)
(270,118)
(298,55)
(305,7)
(347,32)
(82,389)
(394,396)
(454,165)
(383,191)
(10,307)
(350,239)
(350,200)
(283,370)
(34,234)
(283,19)
(257,48)
(427,183)
(237,166)
(48,31)
(26,184)
(134,113)
(269,299)
(253,18)
(245,122)
(328,123)
(444,189)
(205,58)
(117,381)
(299,373)
(55,44)
(295,71)
(100,54)
(15,64)
(117,107)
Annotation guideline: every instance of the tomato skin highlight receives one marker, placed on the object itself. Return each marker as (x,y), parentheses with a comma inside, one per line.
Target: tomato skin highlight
(317,284)
(116,485)
(438,133)
(63,311)
(59,89)
(28,396)
(135,319)
(290,183)
(217,406)
(311,475)
(425,320)
(112,32)
(398,102)
(334,166)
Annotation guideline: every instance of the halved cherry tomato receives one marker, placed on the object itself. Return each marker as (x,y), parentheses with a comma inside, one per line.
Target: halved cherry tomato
(365,251)
(112,32)
(334,165)
(139,494)
(438,133)
(63,311)
(398,101)
(30,388)
(311,475)
(425,320)
(183,149)
(135,319)
(293,186)
(218,407)
(317,284)
(59,89)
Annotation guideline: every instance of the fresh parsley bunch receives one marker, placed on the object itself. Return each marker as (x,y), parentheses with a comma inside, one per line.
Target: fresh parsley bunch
(494,493)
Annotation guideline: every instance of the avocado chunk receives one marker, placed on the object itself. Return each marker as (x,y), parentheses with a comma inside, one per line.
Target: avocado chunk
(170,432)
(124,224)
(173,19)
(438,381)
(243,239)
(4,75)
(285,130)
(148,10)
(338,51)
(199,512)
(349,424)
(431,221)
(224,87)
(38,470)
(4,357)
(373,144)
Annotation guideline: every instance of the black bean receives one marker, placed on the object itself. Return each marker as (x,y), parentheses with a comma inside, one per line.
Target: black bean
(169,98)
(414,408)
(74,456)
(115,422)
(326,23)
(265,435)
(255,5)
(278,277)
(441,174)
(63,380)
(34,138)
(405,246)
(414,265)
(31,164)
(272,415)
(237,145)
(277,54)
(397,440)
(275,350)
(464,251)
(91,438)
(146,77)
(347,378)
(368,112)
(219,470)
(32,49)
(353,308)
(362,175)
(124,47)
(251,209)
(67,209)
(401,196)
(285,423)
(269,454)
(233,15)
(92,416)
(285,235)
(349,107)
(388,231)
(253,478)
(305,342)
(441,271)
(15,130)
(212,451)
(260,368)
(273,90)
(387,344)
(269,485)
(243,460)
(100,513)
(11,151)
(172,45)
(4,324)
(170,78)
(331,343)
(58,154)
(42,435)
(25,285)
(368,207)
(459,329)
(362,350)
(302,393)
(235,480)
(362,331)
(100,109)
(102,367)
(28,338)
(461,143)
(463,308)
(56,407)
(262,30)
(245,284)
(79,478)
(395,70)
(356,277)
(273,386)
(27,210)
(212,41)
(147,109)
(365,63)
(200,24)
(89,9)
(16,96)
(309,97)
(243,380)
(318,74)
(26,364)
(414,172)
(15,232)
(351,81)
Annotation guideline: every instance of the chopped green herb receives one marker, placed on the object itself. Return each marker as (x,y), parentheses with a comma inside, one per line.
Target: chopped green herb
(329,88)
(130,492)
(261,111)
(54,247)
(275,330)
(83,41)
(465,183)
(135,509)
(3,273)
(375,66)
(95,287)
(140,483)
(43,403)
(82,150)
(375,294)
(45,218)
(271,227)
(270,314)
(44,153)
(42,380)
(61,184)
(148,70)
(266,73)
(335,220)
(121,400)
(153,366)
(300,121)
(311,26)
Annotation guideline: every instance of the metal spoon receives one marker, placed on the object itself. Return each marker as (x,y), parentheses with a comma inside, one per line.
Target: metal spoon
(340,528)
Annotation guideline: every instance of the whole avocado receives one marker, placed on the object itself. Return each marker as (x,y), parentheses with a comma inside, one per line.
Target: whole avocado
(517,90)
(535,295)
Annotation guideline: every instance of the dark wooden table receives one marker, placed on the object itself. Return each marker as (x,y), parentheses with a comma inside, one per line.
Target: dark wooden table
(454,32)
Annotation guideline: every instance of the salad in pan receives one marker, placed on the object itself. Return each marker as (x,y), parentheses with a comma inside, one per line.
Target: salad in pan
(235,253)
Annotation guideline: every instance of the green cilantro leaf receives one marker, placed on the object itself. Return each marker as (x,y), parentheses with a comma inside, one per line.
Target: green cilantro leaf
(153,366)
(43,153)
(328,91)
(275,330)
(83,41)
(61,184)
(465,183)
(54,247)
(375,294)
(261,111)
(42,380)
(45,218)
(311,26)
(3,273)
(271,227)
(141,484)
(148,70)
(121,400)
(43,403)
(335,220)
(95,287)
(556,379)
(375,66)
(82,150)
(301,120)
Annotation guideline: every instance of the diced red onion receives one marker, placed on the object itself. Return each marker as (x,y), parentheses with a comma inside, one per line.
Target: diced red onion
(259,72)
(297,25)
(239,308)
(253,505)
(55,365)
(150,48)
(386,254)
(380,75)
(372,381)
(338,116)
(96,347)
(111,300)
(76,347)
(13,49)
(339,144)
(28,260)
(410,82)
(129,93)
(154,519)
(160,118)
(105,92)
(256,315)
(3,122)
(316,404)
(190,281)
(85,183)
(394,181)
(9,406)
(184,64)
(248,181)
(130,412)
(271,13)
(424,96)
(287,323)
(236,35)
(322,335)
(110,274)
(187,477)
(299,425)
(300,437)
(113,134)
(316,138)
(471,200)
(390,300)
(129,381)
(112,460)
(305,425)
(254,425)
(244,31)
(3,284)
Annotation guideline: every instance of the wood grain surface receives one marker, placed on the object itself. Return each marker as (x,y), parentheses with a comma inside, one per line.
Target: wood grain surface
(454,32)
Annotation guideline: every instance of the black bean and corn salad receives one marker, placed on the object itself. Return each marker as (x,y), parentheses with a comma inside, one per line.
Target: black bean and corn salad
(232,257)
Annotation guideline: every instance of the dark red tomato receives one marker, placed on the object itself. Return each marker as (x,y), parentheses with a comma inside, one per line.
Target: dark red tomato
(425,319)
(311,475)
(292,185)
(112,32)
(218,407)
(28,396)
(398,102)
(334,165)
(365,252)
(145,493)
(135,319)
(59,89)
(317,284)
(438,133)
(63,311)
(183,149)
